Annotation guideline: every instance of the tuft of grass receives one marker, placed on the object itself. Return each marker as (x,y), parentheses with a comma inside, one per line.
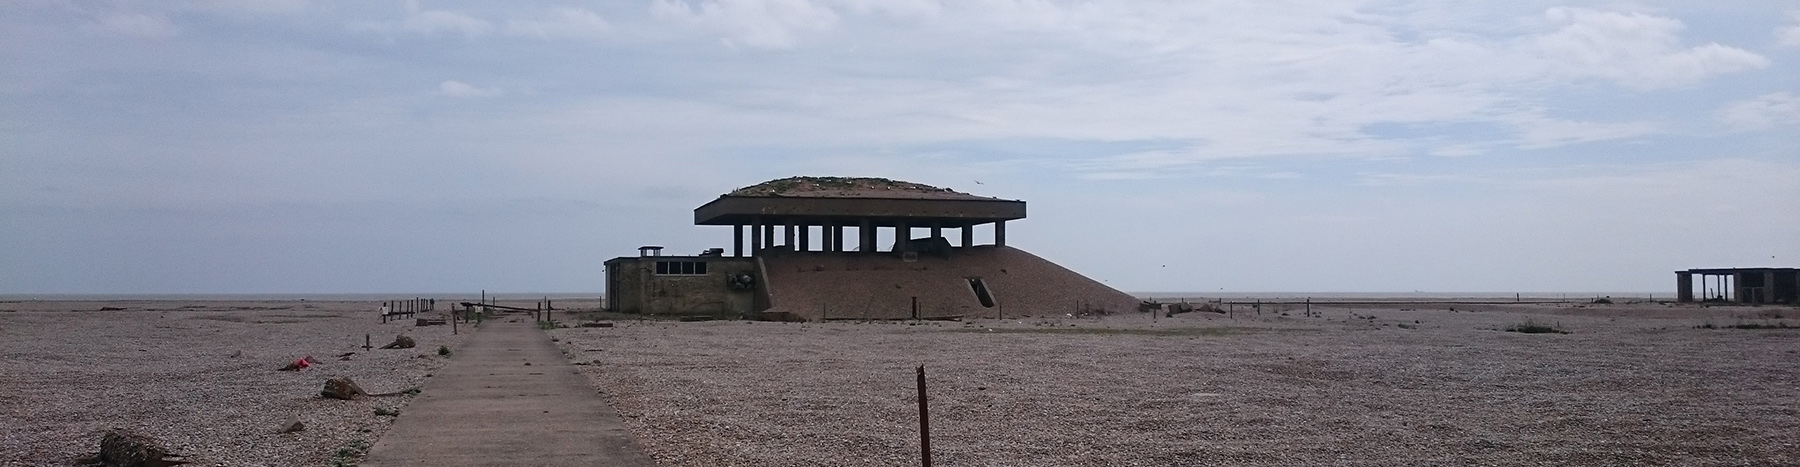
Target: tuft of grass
(1750,325)
(387,411)
(444,351)
(1159,332)
(1533,327)
(413,391)
(351,452)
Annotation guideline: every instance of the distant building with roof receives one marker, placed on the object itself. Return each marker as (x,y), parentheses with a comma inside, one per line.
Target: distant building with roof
(805,248)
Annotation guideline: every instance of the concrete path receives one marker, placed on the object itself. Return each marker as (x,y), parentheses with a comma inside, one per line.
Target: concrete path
(487,407)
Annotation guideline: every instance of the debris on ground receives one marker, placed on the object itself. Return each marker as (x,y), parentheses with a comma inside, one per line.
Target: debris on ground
(343,389)
(401,342)
(125,448)
(301,364)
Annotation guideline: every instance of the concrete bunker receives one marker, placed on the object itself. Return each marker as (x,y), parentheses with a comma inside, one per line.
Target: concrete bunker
(806,248)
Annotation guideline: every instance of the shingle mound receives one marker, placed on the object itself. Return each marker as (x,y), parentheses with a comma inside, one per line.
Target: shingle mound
(848,187)
(816,285)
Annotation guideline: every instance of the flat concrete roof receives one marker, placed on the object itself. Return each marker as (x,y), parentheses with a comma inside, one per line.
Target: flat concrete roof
(882,212)
(1722,271)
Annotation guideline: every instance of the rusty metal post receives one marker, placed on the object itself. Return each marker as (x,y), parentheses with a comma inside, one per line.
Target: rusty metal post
(924,421)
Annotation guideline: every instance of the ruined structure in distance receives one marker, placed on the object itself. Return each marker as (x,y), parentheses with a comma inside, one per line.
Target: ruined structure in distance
(1740,285)
(806,248)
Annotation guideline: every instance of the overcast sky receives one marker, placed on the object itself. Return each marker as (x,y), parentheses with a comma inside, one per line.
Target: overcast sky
(236,146)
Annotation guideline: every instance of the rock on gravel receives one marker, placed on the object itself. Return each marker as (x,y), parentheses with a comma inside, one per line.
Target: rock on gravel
(168,371)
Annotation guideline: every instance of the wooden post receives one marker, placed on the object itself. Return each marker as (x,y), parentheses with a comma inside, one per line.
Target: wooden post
(915,308)
(366,344)
(924,421)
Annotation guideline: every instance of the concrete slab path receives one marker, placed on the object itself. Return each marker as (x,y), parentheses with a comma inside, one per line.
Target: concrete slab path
(490,407)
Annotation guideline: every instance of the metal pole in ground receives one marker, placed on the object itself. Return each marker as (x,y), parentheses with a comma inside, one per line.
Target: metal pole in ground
(924,422)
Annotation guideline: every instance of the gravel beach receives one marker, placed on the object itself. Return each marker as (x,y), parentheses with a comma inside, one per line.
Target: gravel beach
(1391,384)
(1387,384)
(201,377)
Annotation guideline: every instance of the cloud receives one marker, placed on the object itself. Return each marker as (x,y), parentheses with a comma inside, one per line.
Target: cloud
(464,90)
(1545,132)
(765,24)
(1637,50)
(1789,35)
(145,26)
(568,23)
(427,23)
(252,7)
(1762,112)
(435,21)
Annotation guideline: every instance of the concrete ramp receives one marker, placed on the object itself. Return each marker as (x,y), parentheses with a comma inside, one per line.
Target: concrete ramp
(508,398)
(817,285)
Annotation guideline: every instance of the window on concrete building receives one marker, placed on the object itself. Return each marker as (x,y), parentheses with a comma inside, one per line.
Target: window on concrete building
(680,268)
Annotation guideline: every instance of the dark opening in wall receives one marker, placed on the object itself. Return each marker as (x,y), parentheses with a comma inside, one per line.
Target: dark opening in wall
(981,292)
(681,268)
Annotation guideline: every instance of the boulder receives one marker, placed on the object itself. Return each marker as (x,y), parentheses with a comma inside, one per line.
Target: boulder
(401,342)
(343,388)
(125,448)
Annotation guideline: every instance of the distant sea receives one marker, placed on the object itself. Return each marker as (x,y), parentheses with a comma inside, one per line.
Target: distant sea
(302,296)
(1402,296)
(1163,296)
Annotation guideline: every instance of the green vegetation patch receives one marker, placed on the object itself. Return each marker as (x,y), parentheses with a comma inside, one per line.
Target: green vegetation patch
(1533,327)
(1157,332)
(1750,325)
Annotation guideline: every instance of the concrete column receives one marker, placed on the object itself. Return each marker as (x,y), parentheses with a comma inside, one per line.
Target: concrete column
(837,237)
(756,235)
(937,230)
(1768,293)
(805,235)
(968,236)
(768,234)
(1737,288)
(865,236)
(1684,286)
(787,233)
(1000,233)
(737,240)
(902,236)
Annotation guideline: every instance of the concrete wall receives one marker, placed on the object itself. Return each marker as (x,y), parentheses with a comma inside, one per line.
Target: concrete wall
(816,285)
(634,287)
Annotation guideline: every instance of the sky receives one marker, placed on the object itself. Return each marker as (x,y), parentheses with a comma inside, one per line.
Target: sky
(296,146)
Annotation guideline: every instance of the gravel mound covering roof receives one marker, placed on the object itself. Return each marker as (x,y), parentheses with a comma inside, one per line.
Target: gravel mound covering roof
(881,286)
(1203,389)
(848,187)
(200,377)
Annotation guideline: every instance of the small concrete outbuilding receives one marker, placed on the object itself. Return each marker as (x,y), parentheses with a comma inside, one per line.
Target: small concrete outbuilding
(806,248)
(1740,285)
